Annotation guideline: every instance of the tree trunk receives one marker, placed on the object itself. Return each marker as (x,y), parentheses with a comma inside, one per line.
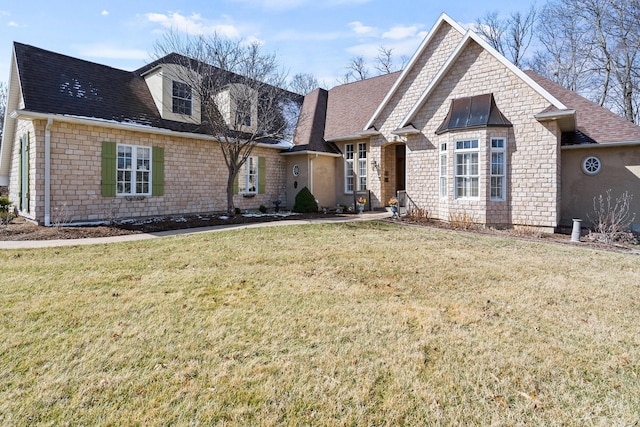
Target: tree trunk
(231,210)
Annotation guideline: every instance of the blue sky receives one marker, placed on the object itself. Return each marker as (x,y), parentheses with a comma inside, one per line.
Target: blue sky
(308,36)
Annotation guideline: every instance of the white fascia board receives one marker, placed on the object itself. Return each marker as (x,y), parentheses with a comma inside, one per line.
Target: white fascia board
(9,125)
(134,127)
(444,18)
(468,37)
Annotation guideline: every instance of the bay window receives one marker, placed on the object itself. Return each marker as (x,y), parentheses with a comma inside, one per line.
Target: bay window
(466,169)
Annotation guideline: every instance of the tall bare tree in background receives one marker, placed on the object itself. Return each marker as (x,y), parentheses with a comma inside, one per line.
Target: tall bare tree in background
(303,83)
(238,89)
(510,36)
(4,94)
(384,63)
(592,47)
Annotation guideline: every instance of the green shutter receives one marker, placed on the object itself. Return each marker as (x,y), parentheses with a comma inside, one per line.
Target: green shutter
(108,169)
(157,171)
(262,174)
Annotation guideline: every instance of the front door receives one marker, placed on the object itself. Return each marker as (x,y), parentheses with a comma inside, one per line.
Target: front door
(400,167)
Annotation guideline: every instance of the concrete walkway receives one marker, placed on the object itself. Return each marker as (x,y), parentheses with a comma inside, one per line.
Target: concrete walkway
(30,244)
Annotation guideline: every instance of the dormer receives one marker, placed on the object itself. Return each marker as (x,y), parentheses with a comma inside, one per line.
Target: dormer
(173,95)
(238,105)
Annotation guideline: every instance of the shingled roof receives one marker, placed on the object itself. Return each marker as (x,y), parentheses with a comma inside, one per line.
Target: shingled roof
(53,83)
(594,124)
(350,106)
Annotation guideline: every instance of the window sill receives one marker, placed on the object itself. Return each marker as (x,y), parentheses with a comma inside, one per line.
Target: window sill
(248,195)
(132,198)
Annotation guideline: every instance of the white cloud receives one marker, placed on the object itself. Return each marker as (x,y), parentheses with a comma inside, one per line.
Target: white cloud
(102,50)
(400,32)
(194,24)
(362,30)
(104,13)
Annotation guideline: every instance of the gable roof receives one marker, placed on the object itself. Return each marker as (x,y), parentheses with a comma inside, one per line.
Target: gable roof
(350,106)
(469,37)
(593,122)
(443,19)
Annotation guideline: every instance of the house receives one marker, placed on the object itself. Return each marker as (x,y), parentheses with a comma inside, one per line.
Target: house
(460,133)
(90,142)
(466,134)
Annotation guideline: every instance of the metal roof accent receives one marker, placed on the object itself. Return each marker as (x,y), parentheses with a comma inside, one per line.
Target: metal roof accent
(473,112)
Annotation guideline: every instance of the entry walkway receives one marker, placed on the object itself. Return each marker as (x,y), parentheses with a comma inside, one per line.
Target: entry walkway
(30,244)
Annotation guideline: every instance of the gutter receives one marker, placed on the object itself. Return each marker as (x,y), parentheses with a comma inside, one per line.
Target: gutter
(133,127)
(359,135)
(47,173)
(601,145)
(313,153)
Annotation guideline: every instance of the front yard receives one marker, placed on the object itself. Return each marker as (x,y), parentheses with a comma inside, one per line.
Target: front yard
(338,324)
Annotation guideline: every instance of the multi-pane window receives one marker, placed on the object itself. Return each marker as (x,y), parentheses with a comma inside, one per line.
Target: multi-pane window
(181,98)
(498,148)
(350,183)
(443,169)
(362,167)
(248,176)
(133,170)
(243,113)
(348,168)
(467,171)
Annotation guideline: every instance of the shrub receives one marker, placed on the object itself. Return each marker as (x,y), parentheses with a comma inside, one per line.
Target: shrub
(262,209)
(420,215)
(612,218)
(462,221)
(305,202)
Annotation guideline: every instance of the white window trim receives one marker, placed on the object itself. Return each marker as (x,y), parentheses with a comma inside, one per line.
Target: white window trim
(502,150)
(362,166)
(349,161)
(245,174)
(134,169)
(174,97)
(470,150)
(443,169)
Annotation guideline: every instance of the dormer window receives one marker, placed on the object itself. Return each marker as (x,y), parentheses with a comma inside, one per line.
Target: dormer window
(181,99)
(243,113)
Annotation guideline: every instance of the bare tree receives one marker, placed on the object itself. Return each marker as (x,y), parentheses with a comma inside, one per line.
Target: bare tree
(511,36)
(385,63)
(4,95)
(238,89)
(303,83)
(565,58)
(358,68)
(593,46)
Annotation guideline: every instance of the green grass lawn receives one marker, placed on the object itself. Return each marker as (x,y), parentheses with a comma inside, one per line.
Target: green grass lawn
(341,324)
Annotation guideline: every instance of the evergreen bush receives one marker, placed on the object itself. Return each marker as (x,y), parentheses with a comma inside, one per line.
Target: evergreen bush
(305,202)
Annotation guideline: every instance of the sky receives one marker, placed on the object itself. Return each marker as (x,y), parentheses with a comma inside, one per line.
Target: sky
(317,37)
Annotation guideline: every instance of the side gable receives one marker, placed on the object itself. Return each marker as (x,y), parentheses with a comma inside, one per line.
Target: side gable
(593,122)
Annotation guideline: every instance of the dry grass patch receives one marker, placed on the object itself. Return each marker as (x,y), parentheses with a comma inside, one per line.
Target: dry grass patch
(343,324)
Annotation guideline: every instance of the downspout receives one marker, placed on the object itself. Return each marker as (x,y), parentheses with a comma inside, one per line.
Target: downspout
(311,173)
(47,173)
